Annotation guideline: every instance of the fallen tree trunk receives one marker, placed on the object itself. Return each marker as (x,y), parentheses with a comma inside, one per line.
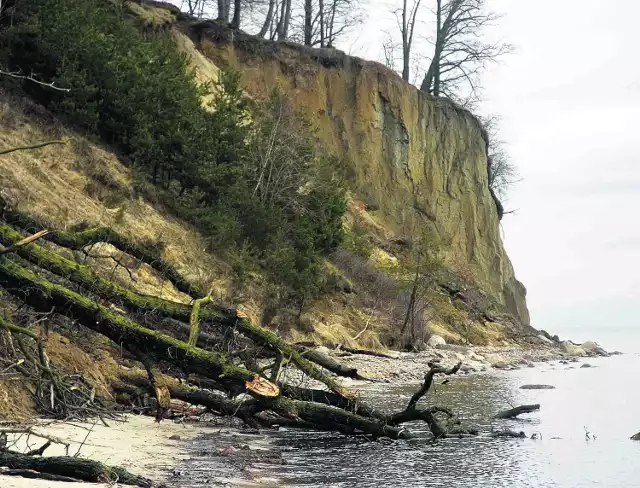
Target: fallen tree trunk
(81,239)
(244,410)
(329,363)
(106,289)
(73,467)
(45,296)
(514,412)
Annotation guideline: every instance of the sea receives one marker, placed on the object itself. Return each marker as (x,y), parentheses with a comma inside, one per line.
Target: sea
(579,438)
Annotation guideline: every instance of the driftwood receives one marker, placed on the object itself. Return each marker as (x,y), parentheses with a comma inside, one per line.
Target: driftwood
(514,412)
(511,434)
(537,387)
(72,467)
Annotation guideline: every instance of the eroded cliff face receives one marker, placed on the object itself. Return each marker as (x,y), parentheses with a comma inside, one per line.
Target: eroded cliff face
(415,160)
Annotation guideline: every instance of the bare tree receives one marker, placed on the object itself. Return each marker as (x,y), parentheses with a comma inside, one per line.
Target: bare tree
(460,54)
(406,17)
(502,173)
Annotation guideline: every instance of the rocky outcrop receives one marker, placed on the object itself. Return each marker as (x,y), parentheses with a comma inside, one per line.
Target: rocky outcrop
(415,161)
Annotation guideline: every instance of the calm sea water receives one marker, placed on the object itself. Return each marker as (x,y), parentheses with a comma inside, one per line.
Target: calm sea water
(601,401)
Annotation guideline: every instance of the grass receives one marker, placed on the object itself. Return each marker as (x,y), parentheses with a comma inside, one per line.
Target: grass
(51,184)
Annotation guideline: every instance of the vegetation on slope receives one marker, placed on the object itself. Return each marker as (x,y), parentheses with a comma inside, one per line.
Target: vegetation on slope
(248,175)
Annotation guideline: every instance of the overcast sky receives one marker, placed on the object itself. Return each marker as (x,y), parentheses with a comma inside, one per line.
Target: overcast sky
(569,98)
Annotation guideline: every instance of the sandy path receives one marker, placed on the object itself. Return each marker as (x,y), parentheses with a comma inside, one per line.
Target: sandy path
(139,445)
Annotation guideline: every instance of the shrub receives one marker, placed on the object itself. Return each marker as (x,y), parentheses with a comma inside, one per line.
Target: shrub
(248,175)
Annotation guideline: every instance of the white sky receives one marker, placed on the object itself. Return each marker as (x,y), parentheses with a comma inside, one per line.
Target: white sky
(569,98)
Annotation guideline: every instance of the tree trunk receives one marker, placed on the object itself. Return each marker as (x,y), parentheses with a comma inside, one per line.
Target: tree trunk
(283,24)
(237,9)
(438,53)
(514,412)
(81,239)
(224,8)
(322,32)
(308,15)
(332,19)
(72,467)
(84,276)
(268,20)
(45,296)
(406,47)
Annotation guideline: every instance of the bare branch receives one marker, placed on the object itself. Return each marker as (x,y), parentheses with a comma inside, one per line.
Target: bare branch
(33,146)
(19,76)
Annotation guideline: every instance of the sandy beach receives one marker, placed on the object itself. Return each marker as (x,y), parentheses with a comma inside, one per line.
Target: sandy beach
(137,443)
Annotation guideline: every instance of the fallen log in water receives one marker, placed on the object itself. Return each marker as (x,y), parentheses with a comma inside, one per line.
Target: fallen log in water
(514,412)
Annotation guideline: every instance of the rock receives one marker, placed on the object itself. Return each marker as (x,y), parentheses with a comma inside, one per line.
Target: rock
(586,365)
(572,350)
(496,361)
(531,365)
(454,347)
(174,437)
(636,437)
(544,340)
(537,387)
(323,350)
(435,341)
(601,352)
(589,346)
(467,368)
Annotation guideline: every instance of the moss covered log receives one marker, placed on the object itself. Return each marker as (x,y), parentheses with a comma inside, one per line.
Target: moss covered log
(87,278)
(81,239)
(73,467)
(43,296)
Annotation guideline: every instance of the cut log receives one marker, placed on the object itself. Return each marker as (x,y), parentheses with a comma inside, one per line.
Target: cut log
(73,467)
(514,412)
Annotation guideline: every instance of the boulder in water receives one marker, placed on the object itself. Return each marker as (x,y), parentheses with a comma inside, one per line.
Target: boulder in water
(586,365)
(636,437)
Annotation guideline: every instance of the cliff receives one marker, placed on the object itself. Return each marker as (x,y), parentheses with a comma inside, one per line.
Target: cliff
(414,160)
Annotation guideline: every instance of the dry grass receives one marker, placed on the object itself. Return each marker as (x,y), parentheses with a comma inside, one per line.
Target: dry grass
(16,403)
(98,370)
(82,183)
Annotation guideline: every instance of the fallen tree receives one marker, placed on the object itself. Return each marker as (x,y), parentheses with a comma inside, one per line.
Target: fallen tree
(514,412)
(96,306)
(69,468)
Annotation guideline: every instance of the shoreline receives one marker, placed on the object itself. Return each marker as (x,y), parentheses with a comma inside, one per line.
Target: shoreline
(164,451)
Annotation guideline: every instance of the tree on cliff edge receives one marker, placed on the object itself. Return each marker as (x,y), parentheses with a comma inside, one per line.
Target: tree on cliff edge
(460,54)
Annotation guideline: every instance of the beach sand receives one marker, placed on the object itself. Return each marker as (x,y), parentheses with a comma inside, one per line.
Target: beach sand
(137,444)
